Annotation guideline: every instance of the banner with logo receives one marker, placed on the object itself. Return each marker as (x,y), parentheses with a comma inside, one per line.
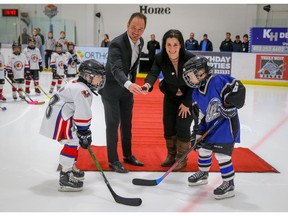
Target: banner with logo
(268,40)
(98,53)
(271,67)
(221,61)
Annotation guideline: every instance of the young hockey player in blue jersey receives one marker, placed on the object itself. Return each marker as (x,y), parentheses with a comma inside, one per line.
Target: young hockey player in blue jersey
(216,96)
(67,120)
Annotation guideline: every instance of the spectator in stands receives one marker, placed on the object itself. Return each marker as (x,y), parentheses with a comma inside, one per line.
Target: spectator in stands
(62,40)
(227,44)
(49,48)
(205,44)
(191,43)
(237,44)
(245,43)
(37,38)
(24,37)
(105,42)
(42,47)
(152,45)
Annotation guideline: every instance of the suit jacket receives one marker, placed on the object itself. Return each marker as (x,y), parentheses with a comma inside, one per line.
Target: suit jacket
(119,60)
(170,84)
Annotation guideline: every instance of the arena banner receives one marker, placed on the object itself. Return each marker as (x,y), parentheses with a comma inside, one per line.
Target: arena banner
(268,40)
(98,53)
(272,67)
(221,61)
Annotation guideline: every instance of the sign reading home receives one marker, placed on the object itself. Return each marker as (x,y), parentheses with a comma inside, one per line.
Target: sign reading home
(269,40)
(154,10)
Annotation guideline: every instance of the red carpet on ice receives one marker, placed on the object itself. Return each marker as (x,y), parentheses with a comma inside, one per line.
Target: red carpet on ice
(149,144)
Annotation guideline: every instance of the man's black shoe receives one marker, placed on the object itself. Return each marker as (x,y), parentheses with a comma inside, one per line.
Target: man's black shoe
(132,160)
(117,167)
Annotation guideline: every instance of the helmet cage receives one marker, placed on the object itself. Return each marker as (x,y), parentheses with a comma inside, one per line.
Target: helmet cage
(93,73)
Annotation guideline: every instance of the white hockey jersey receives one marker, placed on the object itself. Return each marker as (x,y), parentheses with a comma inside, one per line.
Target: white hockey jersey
(72,65)
(70,107)
(2,66)
(33,57)
(59,62)
(17,64)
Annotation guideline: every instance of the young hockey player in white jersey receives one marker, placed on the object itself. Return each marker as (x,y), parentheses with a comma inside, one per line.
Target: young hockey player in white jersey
(34,58)
(217,97)
(73,60)
(2,75)
(16,68)
(68,118)
(58,66)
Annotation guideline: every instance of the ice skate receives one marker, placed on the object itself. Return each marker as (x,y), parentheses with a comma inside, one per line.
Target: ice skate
(37,91)
(78,174)
(68,183)
(51,90)
(198,178)
(14,96)
(2,98)
(27,90)
(225,190)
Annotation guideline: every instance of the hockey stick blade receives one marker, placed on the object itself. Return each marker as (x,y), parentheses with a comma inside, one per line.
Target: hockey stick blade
(117,198)
(146,182)
(124,200)
(36,102)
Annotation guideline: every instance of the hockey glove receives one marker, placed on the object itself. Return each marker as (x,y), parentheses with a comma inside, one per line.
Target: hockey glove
(40,68)
(228,112)
(194,137)
(74,58)
(85,138)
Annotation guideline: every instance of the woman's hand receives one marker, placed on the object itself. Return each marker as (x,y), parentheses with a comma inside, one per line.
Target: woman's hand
(184,111)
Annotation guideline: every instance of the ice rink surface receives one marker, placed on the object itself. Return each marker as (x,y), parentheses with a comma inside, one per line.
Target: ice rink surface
(29,181)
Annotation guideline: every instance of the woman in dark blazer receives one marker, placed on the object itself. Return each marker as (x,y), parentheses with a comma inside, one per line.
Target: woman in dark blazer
(177,113)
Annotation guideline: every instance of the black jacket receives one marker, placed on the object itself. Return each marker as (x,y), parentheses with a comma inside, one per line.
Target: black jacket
(119,60)
(170,83)
(209,46)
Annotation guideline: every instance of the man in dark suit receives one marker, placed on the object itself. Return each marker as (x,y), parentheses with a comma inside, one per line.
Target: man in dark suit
(117,95)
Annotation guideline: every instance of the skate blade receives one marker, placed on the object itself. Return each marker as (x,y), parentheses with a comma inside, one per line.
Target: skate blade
(224,196)
(69,189)
(201,182)
(80,178)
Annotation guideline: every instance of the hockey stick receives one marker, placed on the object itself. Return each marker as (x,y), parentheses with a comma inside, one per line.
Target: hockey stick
(48,96)
(22,96)
(117,198)
(147,182)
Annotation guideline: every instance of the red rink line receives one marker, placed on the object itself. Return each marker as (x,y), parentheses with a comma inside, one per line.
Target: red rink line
(205,193)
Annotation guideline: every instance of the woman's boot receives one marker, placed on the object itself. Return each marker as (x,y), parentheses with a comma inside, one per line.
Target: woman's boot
(171,148)
(182,147)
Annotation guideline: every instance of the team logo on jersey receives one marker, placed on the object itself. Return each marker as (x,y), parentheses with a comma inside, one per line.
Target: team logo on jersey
(1,65)
(212,111)
(18,65)
(61,64)
(85,93)
(73,64)
(34,58)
